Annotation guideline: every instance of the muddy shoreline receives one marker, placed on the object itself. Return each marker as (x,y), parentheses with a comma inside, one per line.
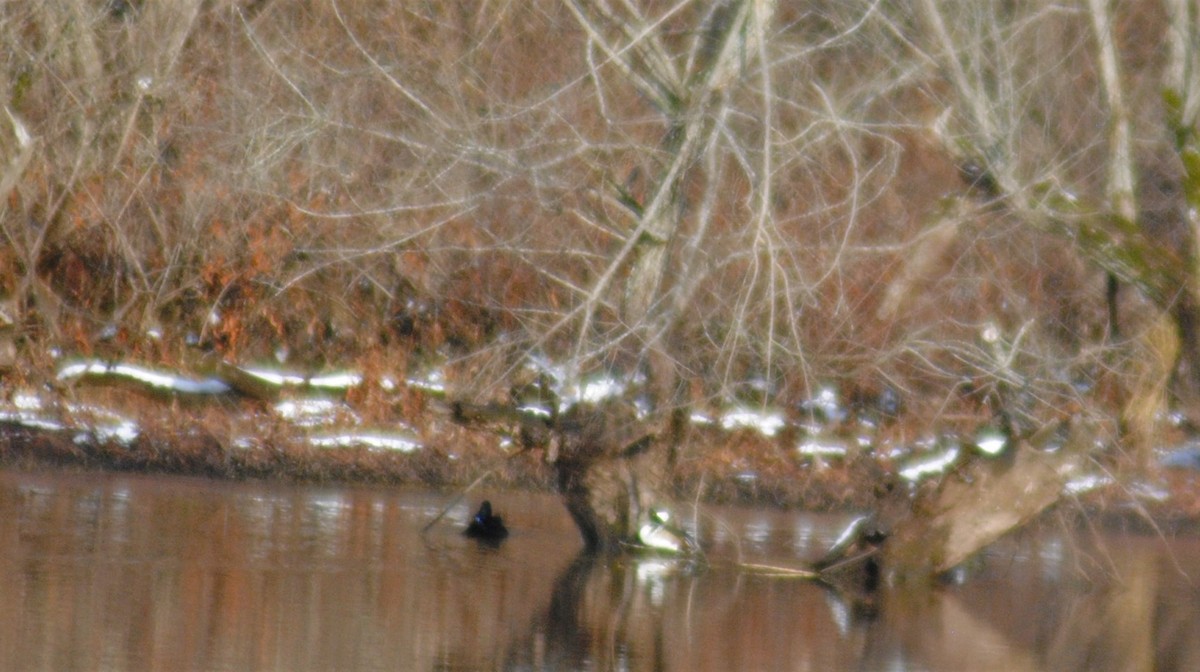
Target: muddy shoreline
(753,472)
(241,423)
(741,468)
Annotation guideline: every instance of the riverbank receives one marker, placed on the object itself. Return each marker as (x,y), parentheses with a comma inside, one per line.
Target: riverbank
(349,428)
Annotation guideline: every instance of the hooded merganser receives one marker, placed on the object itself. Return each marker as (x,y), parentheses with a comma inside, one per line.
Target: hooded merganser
(486,526)
(659,534)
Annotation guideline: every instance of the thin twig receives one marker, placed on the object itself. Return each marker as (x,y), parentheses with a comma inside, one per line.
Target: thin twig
(453,503)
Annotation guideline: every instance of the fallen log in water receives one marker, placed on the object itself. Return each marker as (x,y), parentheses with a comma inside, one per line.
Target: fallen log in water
(919,538)
(965,515)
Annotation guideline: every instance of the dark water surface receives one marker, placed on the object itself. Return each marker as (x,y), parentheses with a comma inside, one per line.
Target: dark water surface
(123,572)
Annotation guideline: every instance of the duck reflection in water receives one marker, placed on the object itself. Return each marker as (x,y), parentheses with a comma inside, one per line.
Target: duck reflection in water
(486,526)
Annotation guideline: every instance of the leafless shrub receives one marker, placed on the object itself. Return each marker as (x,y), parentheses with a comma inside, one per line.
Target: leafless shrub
(830,191)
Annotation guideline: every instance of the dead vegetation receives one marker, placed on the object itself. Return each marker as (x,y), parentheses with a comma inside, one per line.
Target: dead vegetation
(894,198)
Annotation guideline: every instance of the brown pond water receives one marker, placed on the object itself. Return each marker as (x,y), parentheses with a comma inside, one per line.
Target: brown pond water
(106,571)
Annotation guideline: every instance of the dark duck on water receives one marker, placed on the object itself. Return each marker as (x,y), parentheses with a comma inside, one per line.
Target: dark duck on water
(486,526)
